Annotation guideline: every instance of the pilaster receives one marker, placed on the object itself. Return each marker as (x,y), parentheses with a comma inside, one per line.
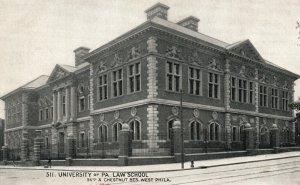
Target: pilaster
(152,68)
(227,86)
(91,139)
(228,130)
(152,127)
(24,109)
(257,132)
(256,91)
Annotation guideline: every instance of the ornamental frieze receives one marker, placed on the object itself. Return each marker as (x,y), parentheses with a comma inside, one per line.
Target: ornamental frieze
(195,58)
(117,61)
(133,53)
(214,65)
(101,67)
(174,52)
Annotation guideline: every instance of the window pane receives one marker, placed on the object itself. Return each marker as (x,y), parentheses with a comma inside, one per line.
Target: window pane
(137,82)
(131,84)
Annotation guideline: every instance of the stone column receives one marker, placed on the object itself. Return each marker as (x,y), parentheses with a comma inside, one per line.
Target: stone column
(275,140)
(25,146)
(54,106)
(125,148)
(177,141)
(38,140)
(59,113)
(249,138)
(73,104)
(67,103)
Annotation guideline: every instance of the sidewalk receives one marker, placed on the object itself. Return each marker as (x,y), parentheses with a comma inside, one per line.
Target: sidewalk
(167,167)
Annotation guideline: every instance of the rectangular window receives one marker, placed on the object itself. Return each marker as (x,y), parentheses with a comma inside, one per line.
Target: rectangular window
(46,142)
(134,78)
(173,76)
(213,85)
(251,92)
(82,139)
(102,87)
(233,89)
(47,113)
(242,91)
(81,104)
(275,99)
(234,133)
(89,102)
(195,78)
(285,100)
(263,95)
(41,115)
(51,113)
(117,83)
(64,105)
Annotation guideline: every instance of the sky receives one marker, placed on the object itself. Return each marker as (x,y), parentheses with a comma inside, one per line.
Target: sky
(37,34)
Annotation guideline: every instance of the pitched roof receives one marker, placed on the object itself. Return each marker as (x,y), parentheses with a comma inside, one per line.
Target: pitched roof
(41,80)
(174,26)
(37,82)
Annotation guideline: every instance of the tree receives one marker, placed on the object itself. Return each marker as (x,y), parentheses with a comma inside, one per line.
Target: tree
(295,105)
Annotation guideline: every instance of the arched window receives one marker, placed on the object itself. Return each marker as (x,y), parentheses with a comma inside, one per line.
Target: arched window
(285,135)
(116,130)
(170,126)
(264,136)
(102,131)
(242,132)
(214,131)
(195,129)
(135,127)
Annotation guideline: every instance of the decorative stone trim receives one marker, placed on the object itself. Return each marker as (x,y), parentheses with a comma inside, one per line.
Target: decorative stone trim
(152,127)
(24,109)
(257,132)
(152,77)
(227,85)
(91,93)
(256,95)
(91,134)
(228,130)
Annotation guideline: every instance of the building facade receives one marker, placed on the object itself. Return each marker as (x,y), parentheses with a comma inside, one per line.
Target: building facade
(137,79)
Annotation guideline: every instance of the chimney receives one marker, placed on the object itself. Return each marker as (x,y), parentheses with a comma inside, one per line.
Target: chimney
(190,22)
(158,10)
(79,55)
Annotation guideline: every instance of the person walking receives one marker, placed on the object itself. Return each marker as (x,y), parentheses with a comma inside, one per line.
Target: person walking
(49,162)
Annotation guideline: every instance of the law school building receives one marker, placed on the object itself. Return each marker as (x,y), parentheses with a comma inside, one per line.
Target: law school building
(120,101)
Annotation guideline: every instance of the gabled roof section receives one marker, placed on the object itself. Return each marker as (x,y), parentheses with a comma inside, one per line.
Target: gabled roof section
(245,48)
(60,71)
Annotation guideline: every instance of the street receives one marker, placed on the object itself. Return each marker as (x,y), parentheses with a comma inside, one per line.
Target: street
(281,171)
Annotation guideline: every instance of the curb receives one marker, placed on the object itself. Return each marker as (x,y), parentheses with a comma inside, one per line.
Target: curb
(154,171)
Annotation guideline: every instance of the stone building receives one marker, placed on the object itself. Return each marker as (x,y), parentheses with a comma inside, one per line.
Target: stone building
(136,79)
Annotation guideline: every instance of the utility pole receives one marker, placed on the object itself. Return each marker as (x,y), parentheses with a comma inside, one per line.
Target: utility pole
(181,126)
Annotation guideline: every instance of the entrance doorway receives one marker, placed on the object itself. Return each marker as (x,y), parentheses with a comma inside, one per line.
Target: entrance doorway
(61,145)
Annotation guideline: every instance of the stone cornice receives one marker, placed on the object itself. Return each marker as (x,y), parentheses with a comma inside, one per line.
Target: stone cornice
(187,105)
